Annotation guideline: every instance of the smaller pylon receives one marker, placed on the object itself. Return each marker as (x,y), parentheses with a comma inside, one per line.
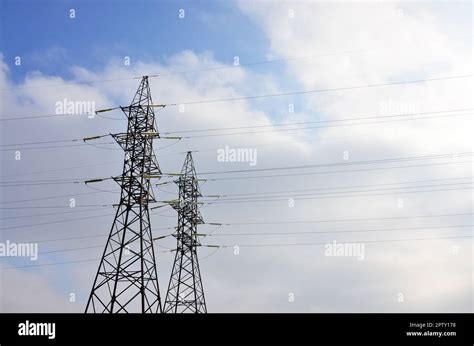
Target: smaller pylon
(185,291)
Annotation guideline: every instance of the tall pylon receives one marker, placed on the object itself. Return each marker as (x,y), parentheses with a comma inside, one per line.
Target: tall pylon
(127,278)
(185,291)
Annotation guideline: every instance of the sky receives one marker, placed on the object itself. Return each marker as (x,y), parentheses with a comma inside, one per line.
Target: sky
(402,68)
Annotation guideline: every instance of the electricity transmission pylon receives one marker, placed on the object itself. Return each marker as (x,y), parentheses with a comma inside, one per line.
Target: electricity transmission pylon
(185,291)
(127,278)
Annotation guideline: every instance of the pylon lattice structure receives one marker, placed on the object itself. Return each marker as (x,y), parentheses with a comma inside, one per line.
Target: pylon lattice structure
(185,291)
(127,278)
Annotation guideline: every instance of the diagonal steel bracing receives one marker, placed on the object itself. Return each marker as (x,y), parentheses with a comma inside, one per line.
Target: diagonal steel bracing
(185,291)
(127,278)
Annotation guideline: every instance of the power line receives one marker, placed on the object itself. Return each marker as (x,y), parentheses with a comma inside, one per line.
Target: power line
(84,139)
(278,60)
(41,142)
(208,68)
(252,245)
(351,242)
(11,184)
(57,146)
(334,231)
(47,214)
(338,220)
(248,200)
(339,192)
(69,238)
(59,169)
(85,237)
(334,164)
(324,126)
(58,221)
(247,132)
(305,92)
(50,182)
(253,97)
(53,222)
(264,126)
(347,186)
(79,248)
(323,121)
(40,116)
(396,159)
(294,222)
(329,172)
(40,184)
(113,162)
(60,206)
(283,233)
(68,84)
(49,264)
(346,192)
(62,181)
(96,145)
(68,180)
(71,195)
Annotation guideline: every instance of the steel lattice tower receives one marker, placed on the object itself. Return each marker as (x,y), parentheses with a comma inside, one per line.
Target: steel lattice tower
(185,290)
(127,278)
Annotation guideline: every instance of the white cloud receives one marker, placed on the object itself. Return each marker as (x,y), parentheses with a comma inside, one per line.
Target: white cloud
(260,279)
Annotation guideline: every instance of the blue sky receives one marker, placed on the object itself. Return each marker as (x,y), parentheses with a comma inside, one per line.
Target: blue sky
(345,44)
(49,41)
